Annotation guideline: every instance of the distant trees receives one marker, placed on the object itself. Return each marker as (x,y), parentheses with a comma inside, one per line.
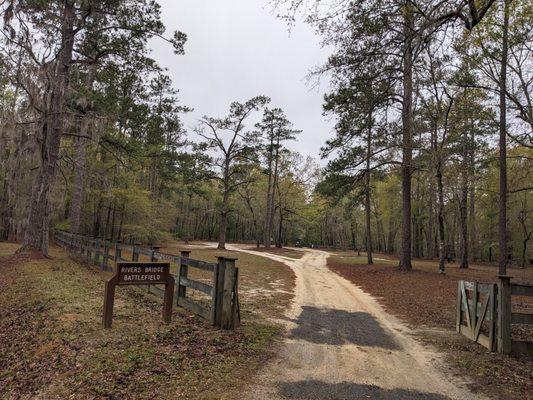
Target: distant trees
(380,42)
(92,137)
(237,146)
(275,129)
(72,35)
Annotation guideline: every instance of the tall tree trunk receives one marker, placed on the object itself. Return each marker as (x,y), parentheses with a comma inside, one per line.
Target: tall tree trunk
(502,220)
(407,137)
(430,236)
(223,223)
(12,166)
(272,197)
(440,218)
(472,205)
(367,192)
(80,160)
(36,235)
(79,178)
(267,235)
(463,206)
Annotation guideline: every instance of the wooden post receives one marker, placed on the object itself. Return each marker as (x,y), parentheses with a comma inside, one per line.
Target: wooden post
(492,322)
(169,297)
(458,320)
(213,315)
(219,289)
(183,272)
(109,300)
(473,310)
(228,295)
(504,314)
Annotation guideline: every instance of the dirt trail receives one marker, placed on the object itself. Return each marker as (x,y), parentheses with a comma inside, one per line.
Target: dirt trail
(341,345)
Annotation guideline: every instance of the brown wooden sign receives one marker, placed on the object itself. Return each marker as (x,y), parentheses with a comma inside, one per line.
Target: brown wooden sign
(139,273)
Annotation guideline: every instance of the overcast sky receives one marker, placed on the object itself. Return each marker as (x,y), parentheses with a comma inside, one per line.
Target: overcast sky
(238,49)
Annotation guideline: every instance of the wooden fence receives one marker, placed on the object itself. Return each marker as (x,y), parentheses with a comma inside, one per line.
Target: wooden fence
(476,307)
(220,302)
(484,314)
(507,318)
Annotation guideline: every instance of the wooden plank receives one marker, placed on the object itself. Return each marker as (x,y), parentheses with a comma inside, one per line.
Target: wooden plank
(168,257)
(230,278)
(481,318)
(183,272)
(458,305)
(219,288)
(466,331)
(473,309)
(196,308)
(520,347)
(465,305)
(492,321)
(520,318)
(213,316)
(521,290)
(504,315)
(479,309)
(144,251)
(481,287)
(199,264)
(196,285)
(484,341)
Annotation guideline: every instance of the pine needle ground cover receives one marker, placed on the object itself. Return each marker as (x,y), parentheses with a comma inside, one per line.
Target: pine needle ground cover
(426,301)
(52,344)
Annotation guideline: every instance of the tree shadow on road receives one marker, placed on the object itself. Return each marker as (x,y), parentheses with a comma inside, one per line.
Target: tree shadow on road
(337,327)
(313,389)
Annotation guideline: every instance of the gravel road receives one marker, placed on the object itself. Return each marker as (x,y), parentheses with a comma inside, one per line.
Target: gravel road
(341,345)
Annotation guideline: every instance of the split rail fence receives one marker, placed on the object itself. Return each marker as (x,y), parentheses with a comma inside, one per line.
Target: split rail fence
(219,302)
(484,314)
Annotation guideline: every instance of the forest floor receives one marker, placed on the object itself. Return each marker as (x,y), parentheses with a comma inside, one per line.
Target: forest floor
(426,301)
(52,345)
(340,344)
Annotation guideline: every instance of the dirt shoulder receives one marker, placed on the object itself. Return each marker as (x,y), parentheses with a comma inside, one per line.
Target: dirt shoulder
(426,300)
(52,345)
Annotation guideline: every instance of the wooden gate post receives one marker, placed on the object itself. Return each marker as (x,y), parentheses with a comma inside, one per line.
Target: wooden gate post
(459,318)
(219,289)
(229,314)
(504,314)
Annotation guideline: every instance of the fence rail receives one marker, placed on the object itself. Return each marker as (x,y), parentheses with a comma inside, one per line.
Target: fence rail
(221,307)
(495,310)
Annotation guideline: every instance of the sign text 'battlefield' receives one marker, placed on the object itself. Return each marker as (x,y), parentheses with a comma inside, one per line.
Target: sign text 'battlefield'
(139,273)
